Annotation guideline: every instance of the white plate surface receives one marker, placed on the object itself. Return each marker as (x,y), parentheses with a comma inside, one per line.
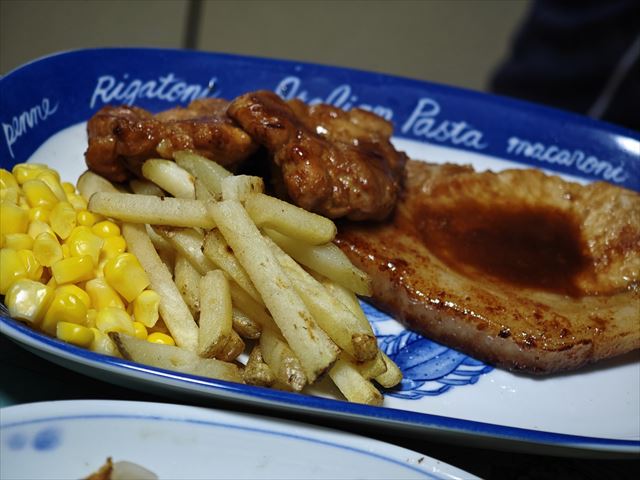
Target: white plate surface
(71,439)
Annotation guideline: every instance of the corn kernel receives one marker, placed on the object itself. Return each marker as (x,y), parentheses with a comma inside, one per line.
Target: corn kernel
(103,295)
(47,249)
(141,330)
(52,180)
(78,201)
(74,333)
(23,172)
(52,282)
(92,314)
(145,308)
(38,194)
(82,241)
(106,228)
(73,269)
(77,291)
(66,253)
(31,265)
(86,218)
(11,268)
(68,187)
(161,338)
(10,195)
(63,219)
(113,246)
(7,180)
(103,344)
(126,275)
(50,171)
(13,219)
(28,300)
(37,227)
(39,213)
(99,270)
(114,320)
(65,307)
(18,241)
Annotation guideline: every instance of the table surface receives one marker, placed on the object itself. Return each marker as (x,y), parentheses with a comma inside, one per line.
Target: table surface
(26,378)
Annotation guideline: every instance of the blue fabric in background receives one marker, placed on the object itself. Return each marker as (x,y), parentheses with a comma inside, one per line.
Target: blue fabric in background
(582,56)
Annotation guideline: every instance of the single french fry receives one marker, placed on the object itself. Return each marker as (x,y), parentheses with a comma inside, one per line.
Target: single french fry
(372,368)
(145,187)
(288,219)
(174,311)
(256,371)
(169,176)
(173,358)
(282,361)
(187,279)
(90,183)
(328,260)
(353,385)
(311,344)
(216,249)
(237,187)
(347,298)
(354,337)
(233,347)
(165,250)
(159,242)
(188,242)
(245,326)
(209,172)
(215,314)
(132,208)
(250,307)
(381,368)
(392,376)
(202,192)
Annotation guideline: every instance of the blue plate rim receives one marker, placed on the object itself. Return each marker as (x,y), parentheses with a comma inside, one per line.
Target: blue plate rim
(502,100)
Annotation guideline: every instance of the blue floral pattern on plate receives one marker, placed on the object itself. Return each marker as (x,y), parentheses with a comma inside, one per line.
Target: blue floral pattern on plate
(428,368)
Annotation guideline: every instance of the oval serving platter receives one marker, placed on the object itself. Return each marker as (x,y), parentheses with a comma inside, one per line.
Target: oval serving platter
(445,395)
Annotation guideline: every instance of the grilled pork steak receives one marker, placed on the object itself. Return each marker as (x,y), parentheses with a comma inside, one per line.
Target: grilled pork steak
(518,269)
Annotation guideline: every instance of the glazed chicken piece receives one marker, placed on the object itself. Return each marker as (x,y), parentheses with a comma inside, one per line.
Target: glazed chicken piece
(122,138)
(517,268)
(332,162)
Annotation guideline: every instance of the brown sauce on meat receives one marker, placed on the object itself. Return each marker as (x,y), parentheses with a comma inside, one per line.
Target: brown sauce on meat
(534,248)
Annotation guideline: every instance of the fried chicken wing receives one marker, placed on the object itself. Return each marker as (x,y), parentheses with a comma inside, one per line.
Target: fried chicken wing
(332,162)
(121,138)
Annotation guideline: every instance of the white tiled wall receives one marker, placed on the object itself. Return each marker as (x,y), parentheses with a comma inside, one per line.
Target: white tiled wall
(457,42)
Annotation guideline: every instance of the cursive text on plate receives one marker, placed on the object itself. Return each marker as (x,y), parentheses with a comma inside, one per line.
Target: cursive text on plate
(166,87)
(28,119)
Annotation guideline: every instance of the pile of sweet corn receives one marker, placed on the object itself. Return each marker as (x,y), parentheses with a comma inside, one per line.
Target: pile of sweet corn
(66,271)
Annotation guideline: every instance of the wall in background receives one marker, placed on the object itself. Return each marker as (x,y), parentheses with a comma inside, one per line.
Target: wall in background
(456,42)
(32,28)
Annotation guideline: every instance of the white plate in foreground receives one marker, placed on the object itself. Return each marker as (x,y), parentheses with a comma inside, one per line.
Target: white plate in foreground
(71,439)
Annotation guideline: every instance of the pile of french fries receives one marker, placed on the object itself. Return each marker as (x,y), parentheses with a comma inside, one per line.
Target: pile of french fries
(252,288)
